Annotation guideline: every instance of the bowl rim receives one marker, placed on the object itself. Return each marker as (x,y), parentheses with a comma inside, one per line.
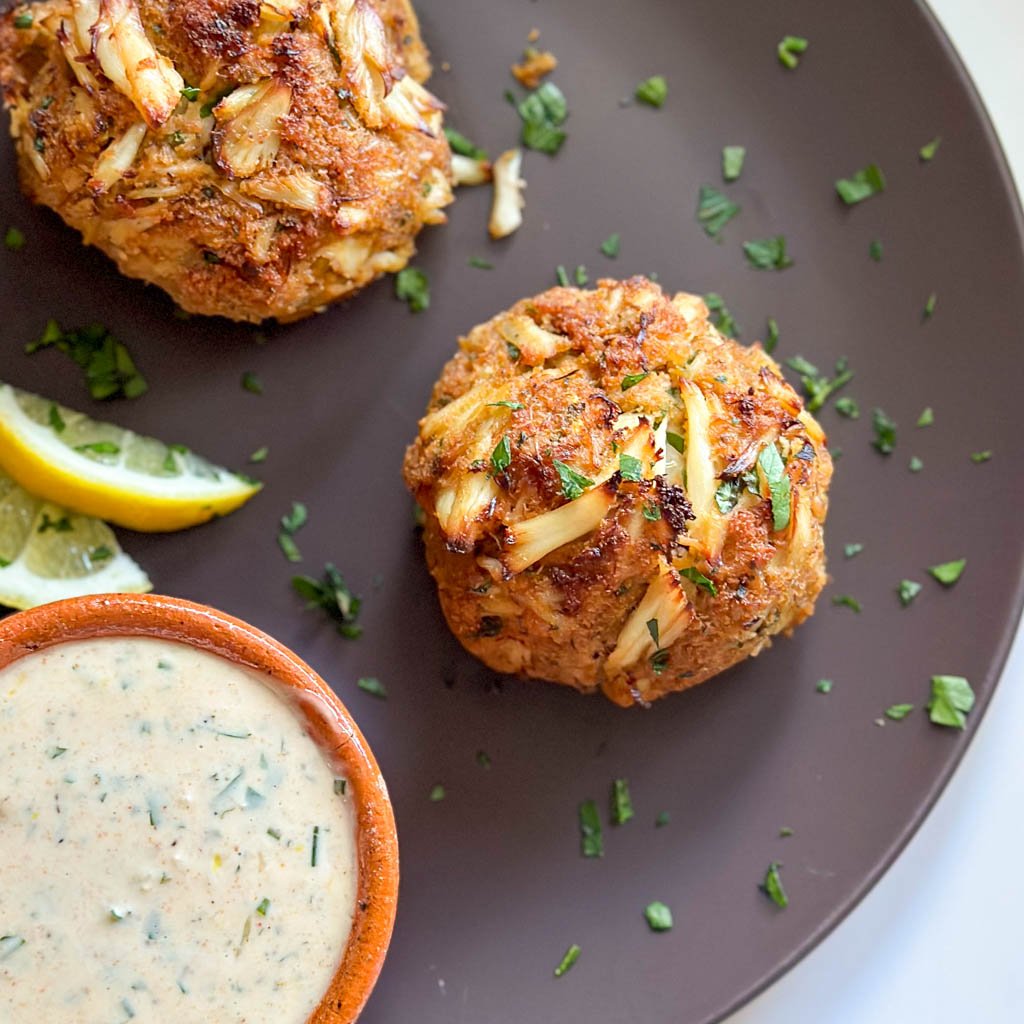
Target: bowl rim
(328,721)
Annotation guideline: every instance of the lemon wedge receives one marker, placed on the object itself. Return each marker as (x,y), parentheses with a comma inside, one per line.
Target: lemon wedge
(48,553)
(102,470)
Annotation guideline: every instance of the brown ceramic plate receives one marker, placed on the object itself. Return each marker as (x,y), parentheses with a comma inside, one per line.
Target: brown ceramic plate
(494,888)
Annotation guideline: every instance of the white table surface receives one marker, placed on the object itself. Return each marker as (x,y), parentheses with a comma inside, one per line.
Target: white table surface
(938,941)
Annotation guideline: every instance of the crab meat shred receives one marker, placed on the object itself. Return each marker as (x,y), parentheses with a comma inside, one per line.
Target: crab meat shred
(700,470)
(666,603)
(129,59)
(463,501)
(534,343)
(297,189)
(529,541)
(359,37)
(76,53)
(247,135)
(116,159)
(467,171)
(507,208)
(411,106)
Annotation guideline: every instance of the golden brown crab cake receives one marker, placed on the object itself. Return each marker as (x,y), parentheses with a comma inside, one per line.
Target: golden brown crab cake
(616,496)
(254,158)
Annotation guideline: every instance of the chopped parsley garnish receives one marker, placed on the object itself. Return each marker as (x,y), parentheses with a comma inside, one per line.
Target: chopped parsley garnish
(263,906)
(479,263)
(732,161)
(663,819)
(622,805)
(581,276)
(771,341)
(907,591)
(885,432)
(952,698)
(852,550)
(848,407)
(897,712)
(714,210)
(252,383)
(875,250)
(768,253)
(651,512)
(696,576)
(675,441)
(772,886)
(55,419)
(720,316)
(789,50)
(611,246)
(99,448)
(659,917)
(929,307)
(190,92)
(632,379)
(659,659)
(24,20)
(109,369)
(572,954)
(573,483)
(14,239)
(653,91)
(511,406)
(915,465)
(291,523)
(948,572)
(846,601)
(817,386)
(332,595)
(413,288)
(824,686)
(437,793)
(483,759)
(501,457)
(542,112)
(981,456)
(591,841)
(260,455)
(514,353)
(631,468)
(562,276)
(929,149)
(774,472)
(373,686)
(461,145)
(927,417)
(727,495)
(100,554)
(867,182)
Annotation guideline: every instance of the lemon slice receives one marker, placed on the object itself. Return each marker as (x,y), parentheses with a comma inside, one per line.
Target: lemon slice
(102,470)
(48,553)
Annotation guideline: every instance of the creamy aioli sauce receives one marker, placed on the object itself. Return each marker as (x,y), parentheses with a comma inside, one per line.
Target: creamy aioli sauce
(174,848)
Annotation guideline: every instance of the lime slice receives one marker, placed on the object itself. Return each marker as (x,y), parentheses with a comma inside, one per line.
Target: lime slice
(102,470)
(48,553)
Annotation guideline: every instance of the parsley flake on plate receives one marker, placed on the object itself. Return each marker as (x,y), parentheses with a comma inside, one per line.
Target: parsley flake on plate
(653,91)
(572,954)
(785,832)
(291,523)
(714,210)
(927,417)
(591,840)
(929,306)
(479,263)
(373,686)
(622,804)
(110,371)
(907,591)
(885,432)
(14,239)
(980,457)
(897,712)
(790,49)
(818,387)
(852,550)
(542,112)
(771,340)
(463,146)
(915,465)
(413,288)
(948,572)
(663,819)
(720,316)
(952,698)
(824,686)
(332,595)
(846,601)
(767,253)
(848,407)
(772,886)
(732,162)
(929,149)
(437,793)
(252,383)
(611,246)
(875,250)
(659,916)
(864,184)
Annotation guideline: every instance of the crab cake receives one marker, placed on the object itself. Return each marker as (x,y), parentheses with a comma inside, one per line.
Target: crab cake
(253,158)
(616,496)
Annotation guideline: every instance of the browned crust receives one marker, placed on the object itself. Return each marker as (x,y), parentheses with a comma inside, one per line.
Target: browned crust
(219,243)
(560,619)
(327,719)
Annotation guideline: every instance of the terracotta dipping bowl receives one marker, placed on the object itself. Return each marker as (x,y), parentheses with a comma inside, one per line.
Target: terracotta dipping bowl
(327,720)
